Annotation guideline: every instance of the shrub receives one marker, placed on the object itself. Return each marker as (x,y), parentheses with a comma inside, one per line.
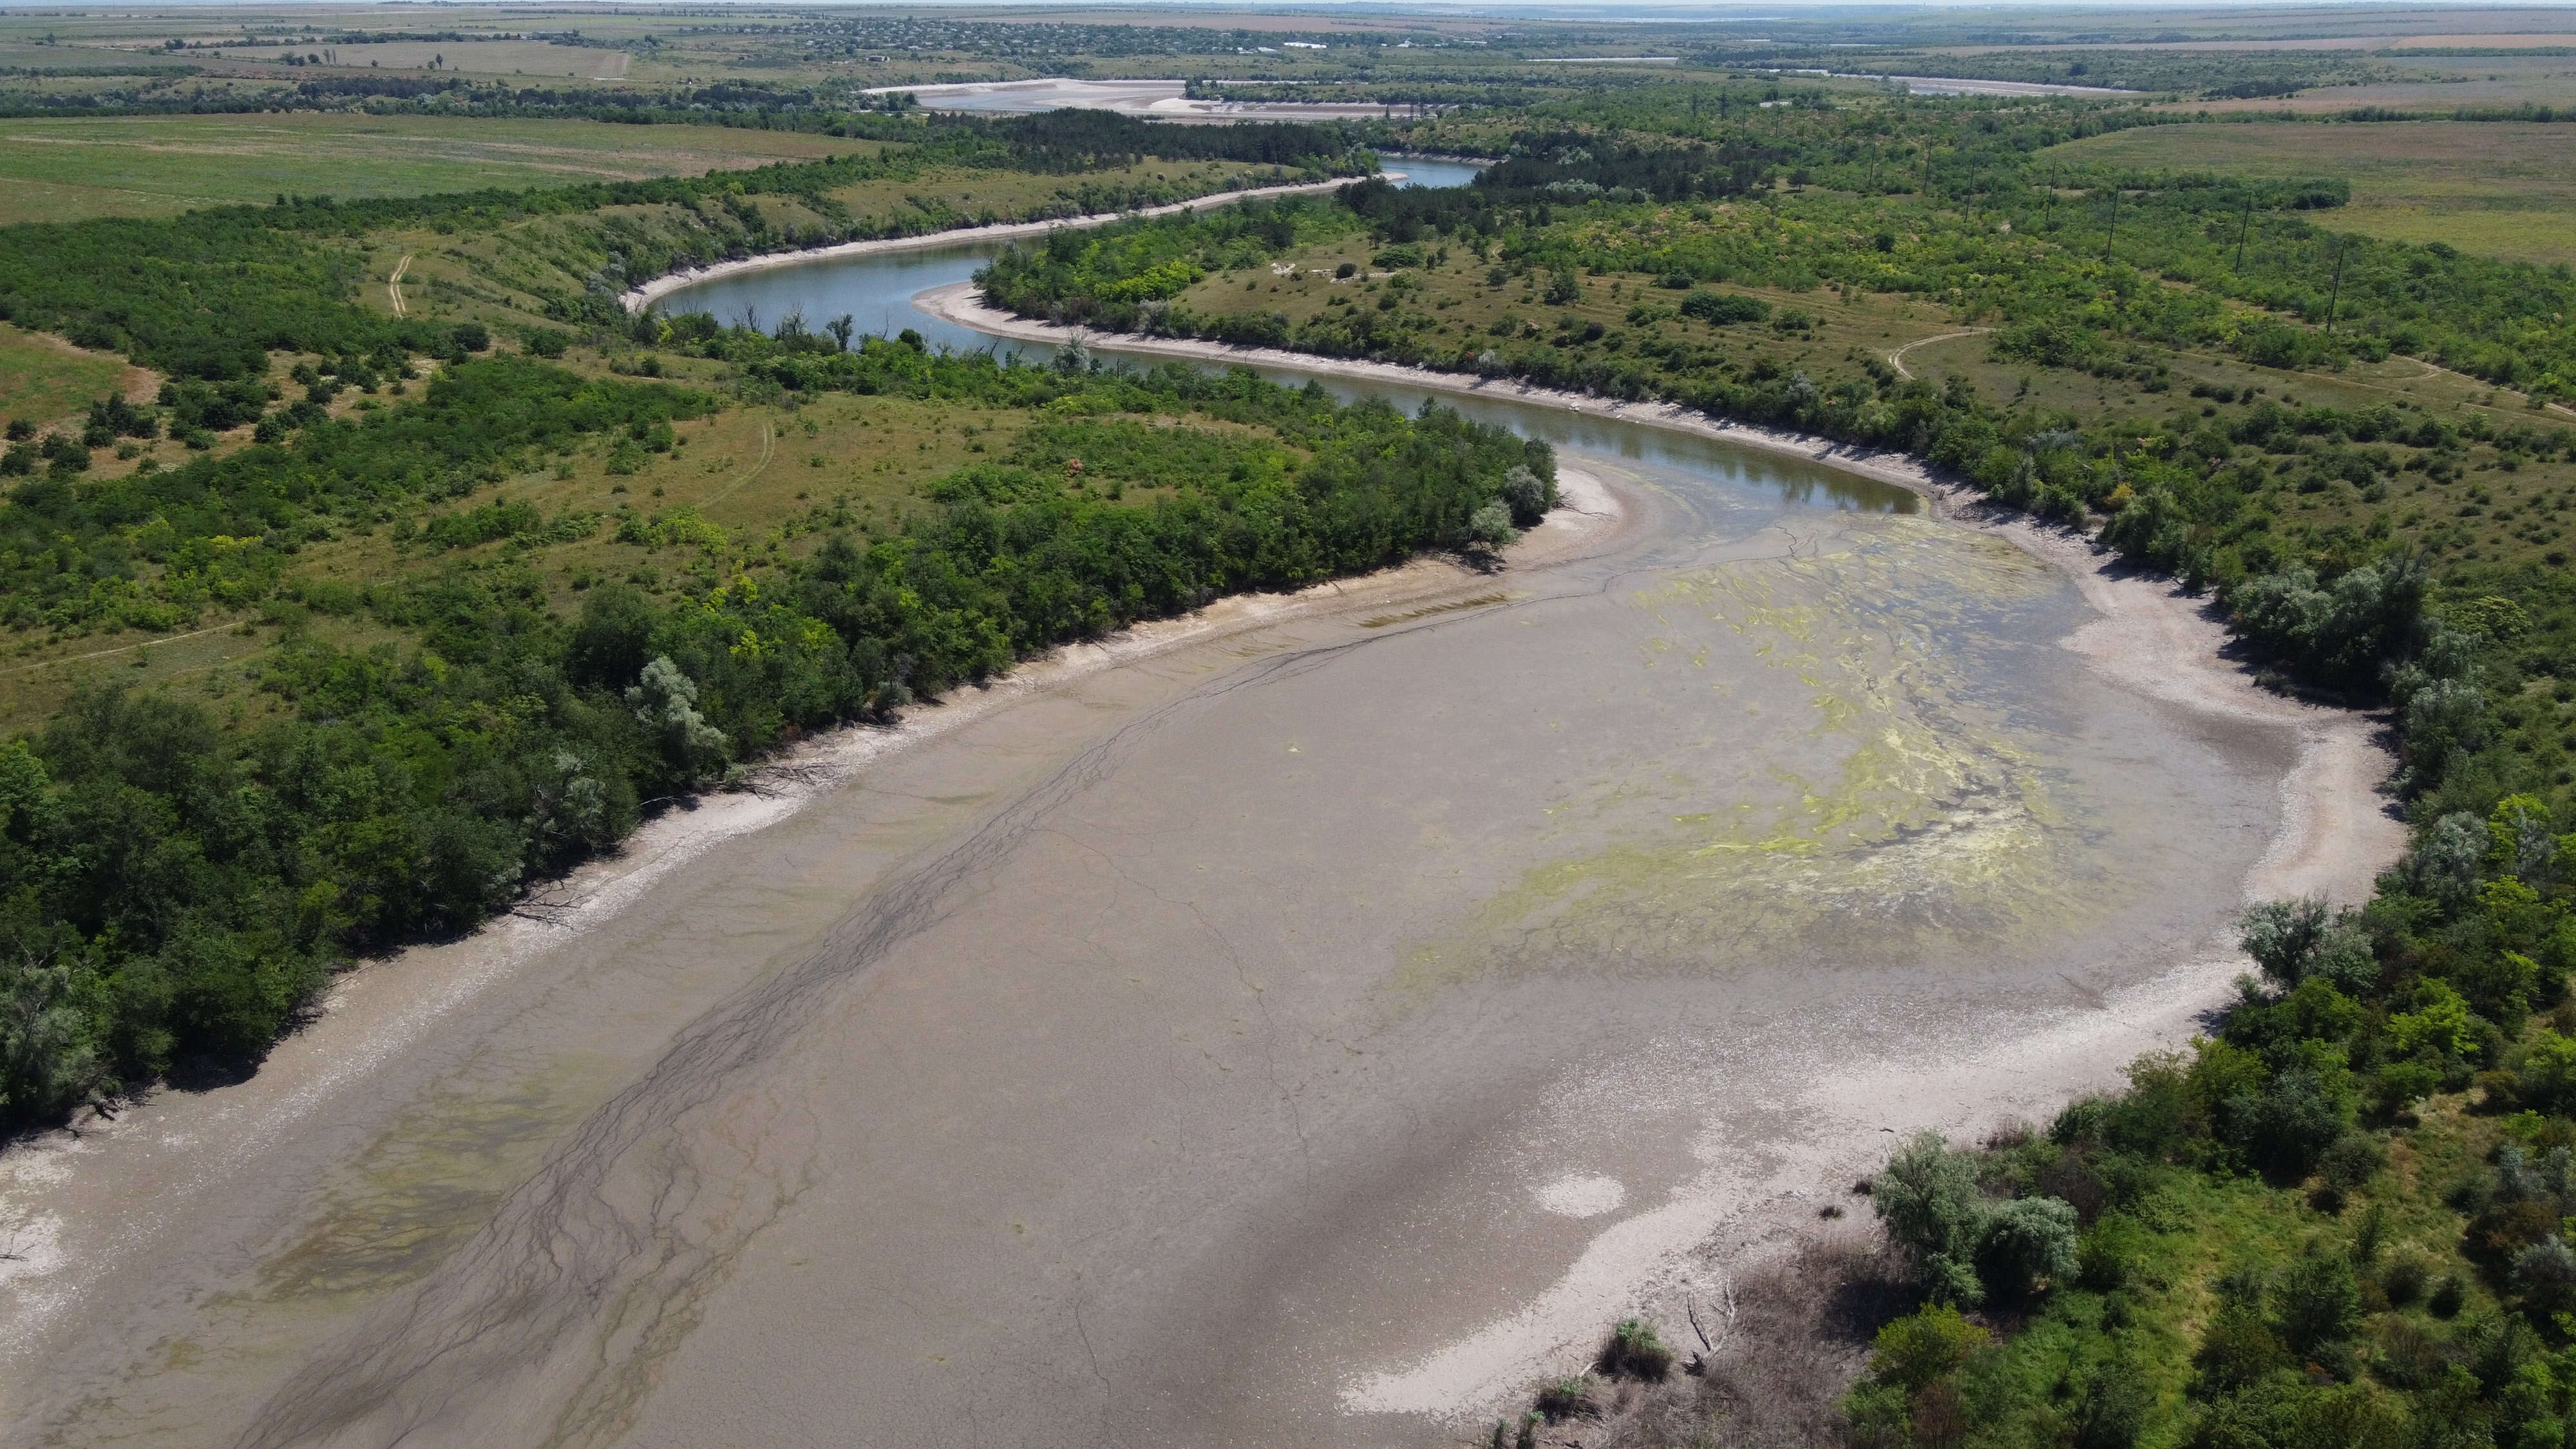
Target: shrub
(2025,1243)
(1636,1351)
(1565,1399)
(1723,308)
(470,337)
(2353,1160)
(2115,1407)
(2343,631)
(2317,1302)
(2284,1128)
(2108,1255)
(2548,1076)
(2237,1349)
(2400,1085)
(2449,1296)
(1923,1346)
(2404,1278)
(1490,526)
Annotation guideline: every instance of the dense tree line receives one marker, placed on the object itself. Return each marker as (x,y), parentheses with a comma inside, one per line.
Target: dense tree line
(175,892)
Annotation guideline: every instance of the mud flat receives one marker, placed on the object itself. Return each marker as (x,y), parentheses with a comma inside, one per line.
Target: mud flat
(1307,1023)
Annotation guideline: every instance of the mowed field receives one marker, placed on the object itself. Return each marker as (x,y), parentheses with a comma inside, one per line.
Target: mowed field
(2498,189)
(157,165)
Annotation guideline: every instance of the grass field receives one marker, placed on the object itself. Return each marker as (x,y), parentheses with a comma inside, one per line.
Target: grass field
(480,57)
(43,379)
(2503,190)
(152,166)
(2448,83)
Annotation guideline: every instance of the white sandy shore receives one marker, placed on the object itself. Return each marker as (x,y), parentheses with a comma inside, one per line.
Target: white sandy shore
(2336,833)
(663,286)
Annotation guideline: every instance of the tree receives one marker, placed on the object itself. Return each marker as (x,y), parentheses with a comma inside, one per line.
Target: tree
(1934,1213)
(2444,863)
(665,701)
(2025,1243)
(1527,496)
(2545,1275)
(2283,936)
(841,327)
(2288,1124)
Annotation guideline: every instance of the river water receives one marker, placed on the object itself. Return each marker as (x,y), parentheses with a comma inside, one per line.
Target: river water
(1301,1031)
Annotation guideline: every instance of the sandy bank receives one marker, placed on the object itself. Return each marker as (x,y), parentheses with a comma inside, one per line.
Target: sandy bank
(660,287)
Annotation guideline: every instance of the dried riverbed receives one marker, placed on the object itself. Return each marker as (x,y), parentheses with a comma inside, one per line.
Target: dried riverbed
(1301,1024)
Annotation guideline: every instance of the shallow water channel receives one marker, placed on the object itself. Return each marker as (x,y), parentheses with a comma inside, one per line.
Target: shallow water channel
(1302,1031)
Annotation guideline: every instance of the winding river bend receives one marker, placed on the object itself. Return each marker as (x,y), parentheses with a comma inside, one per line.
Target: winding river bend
(1304,1024)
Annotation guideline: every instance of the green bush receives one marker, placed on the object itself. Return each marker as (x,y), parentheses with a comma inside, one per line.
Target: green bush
(1922,1346)
(1636,1351)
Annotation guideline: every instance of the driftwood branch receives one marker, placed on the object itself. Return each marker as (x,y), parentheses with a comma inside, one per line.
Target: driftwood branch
(1722,1311)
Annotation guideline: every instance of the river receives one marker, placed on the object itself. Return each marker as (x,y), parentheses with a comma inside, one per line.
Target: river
(1302,1026)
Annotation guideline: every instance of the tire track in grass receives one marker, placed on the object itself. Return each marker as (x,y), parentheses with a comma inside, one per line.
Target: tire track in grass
(1896,359)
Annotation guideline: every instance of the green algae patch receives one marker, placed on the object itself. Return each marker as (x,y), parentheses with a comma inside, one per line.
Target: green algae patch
(1861,795)
(425,1185)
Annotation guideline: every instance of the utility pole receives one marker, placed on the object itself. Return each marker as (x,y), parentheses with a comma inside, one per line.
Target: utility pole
(2114,233)
(2243,231)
